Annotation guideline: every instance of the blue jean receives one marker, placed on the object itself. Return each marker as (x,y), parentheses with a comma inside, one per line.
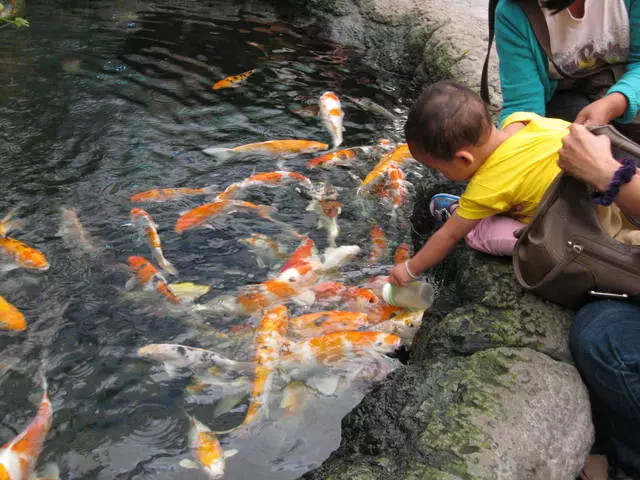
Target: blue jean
(605,343)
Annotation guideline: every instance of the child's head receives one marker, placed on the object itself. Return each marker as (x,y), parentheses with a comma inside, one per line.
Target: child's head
(445,125)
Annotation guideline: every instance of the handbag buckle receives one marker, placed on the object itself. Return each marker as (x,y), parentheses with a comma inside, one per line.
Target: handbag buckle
(576,247)
(616,296)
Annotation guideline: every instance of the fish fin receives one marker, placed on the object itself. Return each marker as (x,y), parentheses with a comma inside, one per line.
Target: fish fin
(218,152)
(188,464)
(49,471)
(7,267)
(228,403)
(312,206)
(13,225)
(325,385)
(168,267)
(230,453)
(131,284)
(307,297)
(171,370)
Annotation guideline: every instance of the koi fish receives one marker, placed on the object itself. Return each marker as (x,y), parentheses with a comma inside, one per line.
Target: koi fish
(382,312)
(325,203)
(274,179)
(230,193)
(264,248)
(404,323)
(199,216)
(10,317)
(358,299)
(232,81)
(175,356)
(262,295)
(398,156)
(148,277)
(331,114)
(396,185)
(19,456)
(401,254)
(207,450)
(169,194)
(270,147)
(371,106)
(73,233)
(339,158)
(146,227)
(269,342)
(378,244)
(305,253)
(7,225)
(15,254)
(336,257)
(321,323)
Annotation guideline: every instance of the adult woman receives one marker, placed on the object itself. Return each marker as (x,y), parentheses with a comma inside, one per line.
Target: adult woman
(605,336)
(585,36)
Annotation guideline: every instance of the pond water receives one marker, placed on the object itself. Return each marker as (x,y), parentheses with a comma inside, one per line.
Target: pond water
(100,100)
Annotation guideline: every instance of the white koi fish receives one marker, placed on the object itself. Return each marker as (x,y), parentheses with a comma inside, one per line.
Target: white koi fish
(207,450)
(332,115)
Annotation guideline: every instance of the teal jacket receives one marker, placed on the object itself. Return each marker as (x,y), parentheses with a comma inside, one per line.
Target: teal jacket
(524,71)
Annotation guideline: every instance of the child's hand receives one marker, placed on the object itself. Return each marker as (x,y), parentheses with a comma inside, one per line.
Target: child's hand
(399,275)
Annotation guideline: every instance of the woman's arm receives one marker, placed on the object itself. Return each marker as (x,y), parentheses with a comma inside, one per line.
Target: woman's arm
(588,157)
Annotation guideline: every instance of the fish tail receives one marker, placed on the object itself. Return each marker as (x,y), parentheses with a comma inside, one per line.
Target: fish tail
(218,152)
(166,265)
(265,211)
(7,225)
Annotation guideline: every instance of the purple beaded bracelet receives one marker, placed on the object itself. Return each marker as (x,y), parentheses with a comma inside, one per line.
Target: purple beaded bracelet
(622,176)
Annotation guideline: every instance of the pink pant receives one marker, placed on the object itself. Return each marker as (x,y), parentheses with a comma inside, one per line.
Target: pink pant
(494,235)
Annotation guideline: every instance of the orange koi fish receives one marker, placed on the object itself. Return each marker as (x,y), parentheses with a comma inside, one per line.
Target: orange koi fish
(10,317)
(262,295)
(148,277)
(232,81)
(168,194)
(404,323)
(303,266)
(402,253)
(305,252)
(19,456)
(207,450)
(341,157)
(230,193)
(382,312)
(15,254)
(199,216)
(274,179)
(332,115)
(358,299)
(321,323)
(396,184)
(398,156)
(142,221)
(270,147)
(7,225)
(269,343)
(378,244)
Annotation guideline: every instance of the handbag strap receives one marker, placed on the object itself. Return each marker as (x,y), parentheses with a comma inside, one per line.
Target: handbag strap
(484,81)
(550,276)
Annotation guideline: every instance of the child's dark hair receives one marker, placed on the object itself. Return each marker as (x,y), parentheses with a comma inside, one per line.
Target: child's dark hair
(445,118)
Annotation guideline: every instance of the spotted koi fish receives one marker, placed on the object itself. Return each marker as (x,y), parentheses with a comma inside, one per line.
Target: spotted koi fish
(232,81)
(378,244)
(402,253)
(169,194)
(322,323)
(147,228)
(207,450)
(269,342)
(398,156)
(19,456)
(10,317)
(397,186)
(15,254)
(148,277)
(332,115)
(271,147)
(201,215)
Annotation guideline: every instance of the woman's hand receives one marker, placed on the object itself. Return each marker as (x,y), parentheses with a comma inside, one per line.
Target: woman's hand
(603,110)
(588,157)
(399,275)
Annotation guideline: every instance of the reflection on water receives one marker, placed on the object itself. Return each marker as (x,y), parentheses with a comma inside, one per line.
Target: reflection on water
(100,101)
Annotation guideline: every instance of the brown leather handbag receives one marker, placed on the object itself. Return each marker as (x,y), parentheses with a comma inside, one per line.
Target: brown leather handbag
(564,256)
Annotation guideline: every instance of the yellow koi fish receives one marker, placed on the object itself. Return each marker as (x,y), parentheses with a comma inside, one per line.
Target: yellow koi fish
(233,80)
(321,323)
(398,156)
(147,228)
(207,450)
(10,317)
(15,254)
(270,147)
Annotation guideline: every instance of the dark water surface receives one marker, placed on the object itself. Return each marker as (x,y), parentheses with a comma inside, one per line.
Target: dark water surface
(100,100)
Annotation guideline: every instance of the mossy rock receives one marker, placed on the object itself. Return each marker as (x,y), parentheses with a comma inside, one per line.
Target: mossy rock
(497,414)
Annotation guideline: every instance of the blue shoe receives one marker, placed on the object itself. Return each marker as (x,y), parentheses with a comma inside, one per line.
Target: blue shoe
(442,206)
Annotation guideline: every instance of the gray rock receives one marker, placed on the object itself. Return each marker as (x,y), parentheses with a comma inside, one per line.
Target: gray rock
(498,414)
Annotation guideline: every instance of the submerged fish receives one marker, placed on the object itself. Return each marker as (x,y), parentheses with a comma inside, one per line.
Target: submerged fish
(148,277)
(398,156)
(402,253)
(336,257)
(332,115)
(19,456)
(397,186)
(325,203)
(7,224)
(405,324)
(201,215)
(253,298)
(10,317)
(15,254)
(232,81)
(264,247)
(207,450)
(270,147)
(378,244)
(147,228)
(168,194)
(321,323)
(373,107)
(269,342)
(358,299)
(73,233)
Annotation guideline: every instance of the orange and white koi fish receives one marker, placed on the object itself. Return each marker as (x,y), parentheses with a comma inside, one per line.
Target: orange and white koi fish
(325,203)
(15,254)
(270,147)
(331,114)
(378,244)
(405,324)
(305,253)
(147,228)
(358,299)
(169,194)
(10,317)
(335,257)
(382,312)
(19,456)
(148,277)
(340,158)
(397,186)
(398,156)
(259,296)
(274,179)
(321,323)
(207,450)
(402,253)
(264,247)
(7,225)
(201,215)
(233,81)
(269,343)
(73,233)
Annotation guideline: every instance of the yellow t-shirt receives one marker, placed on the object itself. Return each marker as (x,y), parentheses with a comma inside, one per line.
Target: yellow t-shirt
(518,172)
